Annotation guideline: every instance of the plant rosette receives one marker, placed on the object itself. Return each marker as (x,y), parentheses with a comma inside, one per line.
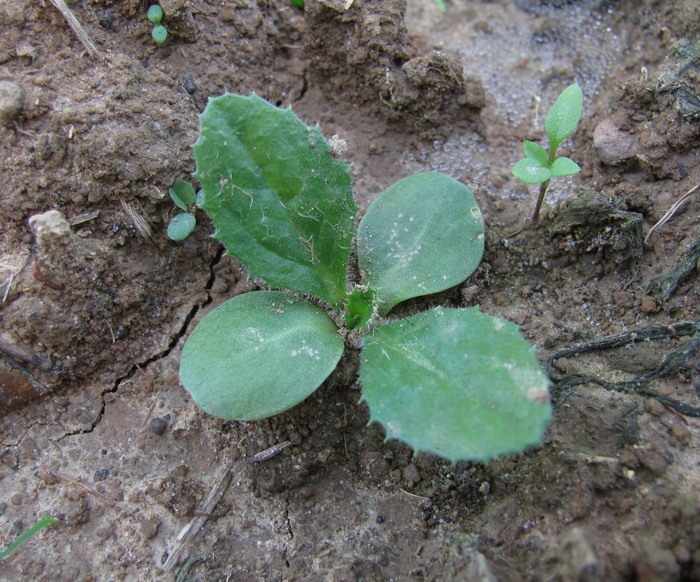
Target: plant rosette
(451,381)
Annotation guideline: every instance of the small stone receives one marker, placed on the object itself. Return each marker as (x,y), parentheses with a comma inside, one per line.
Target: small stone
(613,145)
(649,305)
(100,475)
(16,499)
(11,102)
(158,425)
(149,528)
(411,474)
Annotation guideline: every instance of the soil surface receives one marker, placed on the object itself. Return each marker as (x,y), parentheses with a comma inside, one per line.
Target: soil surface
(96,430)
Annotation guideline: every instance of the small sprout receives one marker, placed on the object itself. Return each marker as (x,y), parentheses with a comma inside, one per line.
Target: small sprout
(183,195)
(539,165)
(181,226)
(155,14)
(441,5)
(159,34)
(36,528)
(297,3)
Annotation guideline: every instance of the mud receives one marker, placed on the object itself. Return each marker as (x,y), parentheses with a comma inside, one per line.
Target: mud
(96,429)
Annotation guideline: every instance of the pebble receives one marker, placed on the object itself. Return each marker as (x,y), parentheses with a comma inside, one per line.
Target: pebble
(411,474)
(158,425)
(149,528)
(649,305)
(614,146)
(11,102)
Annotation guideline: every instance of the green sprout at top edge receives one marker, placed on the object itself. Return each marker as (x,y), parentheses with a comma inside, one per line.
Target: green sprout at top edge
(540,165)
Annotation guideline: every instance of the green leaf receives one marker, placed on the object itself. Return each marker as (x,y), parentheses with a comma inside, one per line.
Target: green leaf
(536,152)
(181,226)
(422,235)
(279,200)
(564,166)
(258,355)
(182,194)
(531,171)
(360,308)
(457,383)
(36,528)
(564,115)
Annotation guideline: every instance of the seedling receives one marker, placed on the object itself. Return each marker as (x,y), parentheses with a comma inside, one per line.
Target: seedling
(35,529)
(539,166)
(182,224)
(159,33)
(452,381)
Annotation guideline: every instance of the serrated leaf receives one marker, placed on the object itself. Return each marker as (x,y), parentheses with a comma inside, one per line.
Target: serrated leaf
(457,383)
(531,171)
(258,355)
(181,226)
(564,115)
(182,194)
(536,152)
(422,235)
(280,202)
(564,166)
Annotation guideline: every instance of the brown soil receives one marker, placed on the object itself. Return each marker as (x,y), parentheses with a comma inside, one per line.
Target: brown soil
(96,301)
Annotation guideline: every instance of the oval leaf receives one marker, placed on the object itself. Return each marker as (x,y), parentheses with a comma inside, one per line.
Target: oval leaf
(564,166)
(531,171)
(182,193)
(279,200)
(536,152)
(564,115)
(457,383)
(422,235)
(181,226)
(258,355)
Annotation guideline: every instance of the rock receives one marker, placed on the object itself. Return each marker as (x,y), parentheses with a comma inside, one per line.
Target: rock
(11,102)
(614,146)
(411,474)
(573,558)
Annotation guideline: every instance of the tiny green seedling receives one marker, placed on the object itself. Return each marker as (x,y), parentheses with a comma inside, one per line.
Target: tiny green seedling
(36,528)
(539,165)
(159,33)
(455,382)
(182,224)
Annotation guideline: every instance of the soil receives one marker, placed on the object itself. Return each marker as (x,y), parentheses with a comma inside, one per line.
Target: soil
(97,302)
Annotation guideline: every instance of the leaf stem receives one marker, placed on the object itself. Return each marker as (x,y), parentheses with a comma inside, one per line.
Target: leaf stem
(538,204)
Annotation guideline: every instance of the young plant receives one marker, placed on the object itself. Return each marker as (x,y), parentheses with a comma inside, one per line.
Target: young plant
(159,34)
(455,382)
(182,224)
(539,166)
(32,531)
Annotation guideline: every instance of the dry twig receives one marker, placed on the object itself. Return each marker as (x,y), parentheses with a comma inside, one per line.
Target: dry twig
(671,212)
(77,28)
(188,533)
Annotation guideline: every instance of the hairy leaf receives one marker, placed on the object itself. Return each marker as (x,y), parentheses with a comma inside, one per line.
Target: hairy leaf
(422,235)
(457,383)
(279,200)
(258,355)
(564,115)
